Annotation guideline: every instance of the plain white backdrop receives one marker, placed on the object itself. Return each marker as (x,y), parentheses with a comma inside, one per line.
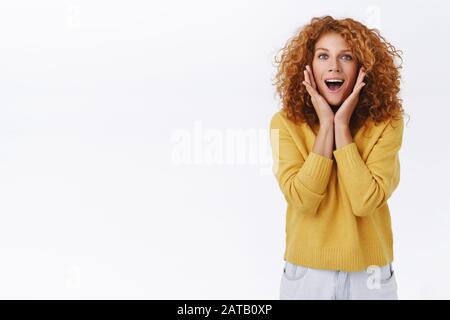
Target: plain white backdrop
(134,151)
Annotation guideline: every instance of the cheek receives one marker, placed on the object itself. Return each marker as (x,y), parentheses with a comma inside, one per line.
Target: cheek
(353,81)
(316,77)
(316,74)
(315,70)
(353,74)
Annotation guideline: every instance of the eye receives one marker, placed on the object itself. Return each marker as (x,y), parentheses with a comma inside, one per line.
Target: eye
(348,56)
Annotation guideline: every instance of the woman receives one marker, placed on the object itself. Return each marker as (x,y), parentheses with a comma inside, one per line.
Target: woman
(335,146)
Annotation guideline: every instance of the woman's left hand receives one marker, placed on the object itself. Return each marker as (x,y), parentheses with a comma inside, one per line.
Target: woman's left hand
(344,113)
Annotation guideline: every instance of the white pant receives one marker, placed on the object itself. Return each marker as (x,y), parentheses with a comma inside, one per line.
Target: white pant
(303,283)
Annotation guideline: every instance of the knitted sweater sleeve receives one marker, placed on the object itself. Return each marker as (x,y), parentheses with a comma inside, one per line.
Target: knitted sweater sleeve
(369,184)
(303,182)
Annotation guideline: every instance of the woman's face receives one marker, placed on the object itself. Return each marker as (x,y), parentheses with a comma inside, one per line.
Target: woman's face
(333,59)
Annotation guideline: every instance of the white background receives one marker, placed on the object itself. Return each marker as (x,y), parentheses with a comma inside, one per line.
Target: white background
(95,201)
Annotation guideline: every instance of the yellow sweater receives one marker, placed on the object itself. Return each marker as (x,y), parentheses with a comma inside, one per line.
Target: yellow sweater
(337,214)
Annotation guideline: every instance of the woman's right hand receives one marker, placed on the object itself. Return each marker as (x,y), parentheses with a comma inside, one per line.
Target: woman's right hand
(323,110)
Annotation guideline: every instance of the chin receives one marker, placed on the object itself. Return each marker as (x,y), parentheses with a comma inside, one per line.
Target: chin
(334,104)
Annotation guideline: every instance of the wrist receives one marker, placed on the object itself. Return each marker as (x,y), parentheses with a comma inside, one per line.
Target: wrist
(341,124)
(327,123)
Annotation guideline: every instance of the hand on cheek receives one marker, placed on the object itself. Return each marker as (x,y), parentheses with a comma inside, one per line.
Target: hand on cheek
(343,115)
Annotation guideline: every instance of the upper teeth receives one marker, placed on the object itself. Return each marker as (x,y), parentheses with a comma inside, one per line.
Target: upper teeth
(334,80)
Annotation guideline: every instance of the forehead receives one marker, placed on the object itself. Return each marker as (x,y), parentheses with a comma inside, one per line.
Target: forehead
(331,41)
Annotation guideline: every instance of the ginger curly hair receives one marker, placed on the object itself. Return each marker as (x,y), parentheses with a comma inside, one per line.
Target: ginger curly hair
(377,101)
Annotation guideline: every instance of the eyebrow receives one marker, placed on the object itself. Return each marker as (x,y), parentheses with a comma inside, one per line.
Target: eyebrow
(328,50)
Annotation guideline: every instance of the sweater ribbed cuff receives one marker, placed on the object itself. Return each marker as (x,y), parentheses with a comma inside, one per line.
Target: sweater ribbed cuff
(316,171)
(348,157)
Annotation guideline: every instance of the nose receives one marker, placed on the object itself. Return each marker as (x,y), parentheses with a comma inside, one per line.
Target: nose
(334,66)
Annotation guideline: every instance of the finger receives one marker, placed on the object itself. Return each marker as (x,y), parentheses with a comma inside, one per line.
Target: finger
(305,72)
(358,80)
(310,89)
(361,75)
(311,75)
(358,88)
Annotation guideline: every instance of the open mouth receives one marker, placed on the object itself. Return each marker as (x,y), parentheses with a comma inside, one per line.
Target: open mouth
(334,84)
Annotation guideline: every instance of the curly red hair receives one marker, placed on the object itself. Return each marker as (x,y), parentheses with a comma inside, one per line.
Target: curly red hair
(378,100)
